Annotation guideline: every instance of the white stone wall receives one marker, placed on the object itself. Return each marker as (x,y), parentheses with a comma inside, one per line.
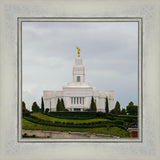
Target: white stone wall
(51,98)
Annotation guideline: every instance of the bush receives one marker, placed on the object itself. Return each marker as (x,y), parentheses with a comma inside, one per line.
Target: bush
(112,111)
(47,110)
(66,110)
(101,114)
(119,122)
(24,135)
(73,115)
(123,111)
(110,117)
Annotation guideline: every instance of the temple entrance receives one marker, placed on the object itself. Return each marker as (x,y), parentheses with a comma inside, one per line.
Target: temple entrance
(77,109)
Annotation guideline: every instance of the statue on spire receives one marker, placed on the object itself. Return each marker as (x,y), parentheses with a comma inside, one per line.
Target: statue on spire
(78,51)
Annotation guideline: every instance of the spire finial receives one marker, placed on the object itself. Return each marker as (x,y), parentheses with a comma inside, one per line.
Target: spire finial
(78,51)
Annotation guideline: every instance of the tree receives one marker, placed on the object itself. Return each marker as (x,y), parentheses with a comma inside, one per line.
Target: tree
(117,108)
(35,107)
(123,111)
(62,105)
(58,107)
(23,107)
(131,103)
(106,106)
(93,106)
(132,109)
(42,105)
(25,111)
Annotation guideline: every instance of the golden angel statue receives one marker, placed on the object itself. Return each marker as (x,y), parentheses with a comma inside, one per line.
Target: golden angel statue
(78,51)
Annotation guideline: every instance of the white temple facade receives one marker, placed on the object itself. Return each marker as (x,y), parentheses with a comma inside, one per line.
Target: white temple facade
(77,94)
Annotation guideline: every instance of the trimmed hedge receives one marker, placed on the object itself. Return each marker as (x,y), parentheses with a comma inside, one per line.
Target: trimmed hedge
(73,115)
(74,125)
(121,121)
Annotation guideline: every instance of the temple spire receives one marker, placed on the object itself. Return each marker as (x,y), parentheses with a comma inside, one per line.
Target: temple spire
(78,51)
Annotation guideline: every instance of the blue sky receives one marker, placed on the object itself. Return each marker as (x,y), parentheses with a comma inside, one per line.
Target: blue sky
(109,51)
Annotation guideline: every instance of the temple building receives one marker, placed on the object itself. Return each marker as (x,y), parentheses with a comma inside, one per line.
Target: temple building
(77,94)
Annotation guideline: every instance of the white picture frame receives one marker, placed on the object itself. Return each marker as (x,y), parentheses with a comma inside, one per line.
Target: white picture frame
(139,22)
(12,148)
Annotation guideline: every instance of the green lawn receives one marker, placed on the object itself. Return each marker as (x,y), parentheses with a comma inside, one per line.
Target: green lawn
(53,119)
(103,130)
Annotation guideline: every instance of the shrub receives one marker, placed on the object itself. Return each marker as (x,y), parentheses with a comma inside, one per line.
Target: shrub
(24,135)
(47,110)
(33,135)
(73,115)
(66,110)
(101,114)
(123,111)
(119,122)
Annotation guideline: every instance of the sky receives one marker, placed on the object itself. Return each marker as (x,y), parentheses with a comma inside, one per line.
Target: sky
(109,51)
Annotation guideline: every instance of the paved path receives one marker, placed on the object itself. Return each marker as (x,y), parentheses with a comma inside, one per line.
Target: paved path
(57,134)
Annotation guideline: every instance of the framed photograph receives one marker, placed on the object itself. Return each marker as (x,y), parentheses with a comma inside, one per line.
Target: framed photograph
(79,81)
(79,112)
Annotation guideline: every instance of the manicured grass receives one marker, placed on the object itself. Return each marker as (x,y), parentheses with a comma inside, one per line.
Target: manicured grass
(53,119)
(103,130)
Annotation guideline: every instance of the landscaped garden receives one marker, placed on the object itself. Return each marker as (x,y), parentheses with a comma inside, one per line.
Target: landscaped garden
(97,122)
(114,123)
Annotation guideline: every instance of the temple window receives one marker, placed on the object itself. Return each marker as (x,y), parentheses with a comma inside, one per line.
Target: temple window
(78,78)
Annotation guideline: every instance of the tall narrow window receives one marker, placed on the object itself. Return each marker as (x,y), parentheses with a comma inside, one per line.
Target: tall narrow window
(80,100)
(71,100)
(77,100)
(74,100)
(78,79)
(83,100)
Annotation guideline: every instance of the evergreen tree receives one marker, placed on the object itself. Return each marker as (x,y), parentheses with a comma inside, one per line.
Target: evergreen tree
(93,106)
(123,111)
(24,110)
(23,107)
(131,103)
(132,109)
(58,107)
(42,105)
(35,107)
(62,105)
(117,108)
(106,107)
